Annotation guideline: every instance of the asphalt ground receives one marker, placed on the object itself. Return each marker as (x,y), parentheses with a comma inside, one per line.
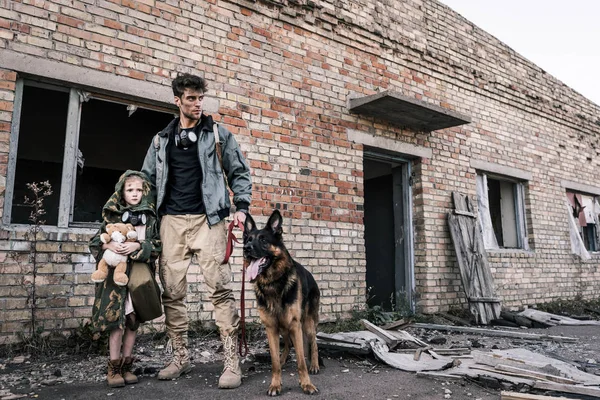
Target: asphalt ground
(340,379)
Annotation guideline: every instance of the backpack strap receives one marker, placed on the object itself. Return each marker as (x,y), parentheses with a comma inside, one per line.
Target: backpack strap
(218,146)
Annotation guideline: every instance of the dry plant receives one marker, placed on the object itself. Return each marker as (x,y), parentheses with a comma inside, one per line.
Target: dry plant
(40,190)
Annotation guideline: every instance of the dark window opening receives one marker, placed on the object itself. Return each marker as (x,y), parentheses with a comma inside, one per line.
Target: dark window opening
(589,237)
(502,199)
(110,141)
(495,213)
(43,123)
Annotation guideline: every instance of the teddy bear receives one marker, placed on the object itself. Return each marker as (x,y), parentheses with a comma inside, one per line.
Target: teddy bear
(118,233)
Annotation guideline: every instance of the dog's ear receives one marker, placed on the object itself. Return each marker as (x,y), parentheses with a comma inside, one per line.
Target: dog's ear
(249,225)
(275,223)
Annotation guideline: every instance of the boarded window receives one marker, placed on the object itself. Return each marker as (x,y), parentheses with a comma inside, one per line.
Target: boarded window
(501,207)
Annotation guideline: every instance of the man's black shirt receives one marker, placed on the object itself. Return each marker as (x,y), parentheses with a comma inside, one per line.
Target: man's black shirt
(184,185)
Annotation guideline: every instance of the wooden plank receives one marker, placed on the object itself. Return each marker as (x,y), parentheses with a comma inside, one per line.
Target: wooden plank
(401,323)
(439,375)
(406,362)
(417,354)
(592,310)
(339,338)
(443,352)
(341,346)
(465,213)
(387,337)
(522,358)
(485,299)
(455,319)
(527,396)
(553,319)
(516,318)
(472,261)
(504,373)
(492,332)
(451,352)
(548,377)
(407,337)
(576,389)
(434,354)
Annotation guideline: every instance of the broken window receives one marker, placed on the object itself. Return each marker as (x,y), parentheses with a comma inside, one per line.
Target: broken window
(40,153)
(585,210)
(501,204)
(81,142)
(110,149)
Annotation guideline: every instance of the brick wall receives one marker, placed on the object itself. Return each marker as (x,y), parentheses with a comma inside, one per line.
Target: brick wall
(282,73)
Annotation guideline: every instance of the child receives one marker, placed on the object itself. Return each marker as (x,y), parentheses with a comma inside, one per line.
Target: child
(113,310)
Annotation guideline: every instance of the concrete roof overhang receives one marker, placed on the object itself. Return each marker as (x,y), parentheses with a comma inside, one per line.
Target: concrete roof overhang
(407,112)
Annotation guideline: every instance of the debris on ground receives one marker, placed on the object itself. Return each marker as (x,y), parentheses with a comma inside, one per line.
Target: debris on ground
(513,362)
(520,361)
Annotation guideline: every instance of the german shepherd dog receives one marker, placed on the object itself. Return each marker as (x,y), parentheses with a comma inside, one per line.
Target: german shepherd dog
(288,299)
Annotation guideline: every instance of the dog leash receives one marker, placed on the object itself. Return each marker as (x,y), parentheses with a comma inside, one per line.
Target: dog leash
(243,343)
(231,239)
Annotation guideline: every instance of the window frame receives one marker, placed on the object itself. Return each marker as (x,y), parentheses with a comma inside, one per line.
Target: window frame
(581,229)
(519,207)
(77,96)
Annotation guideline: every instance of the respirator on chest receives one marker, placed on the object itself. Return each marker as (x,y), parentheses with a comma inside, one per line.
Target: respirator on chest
(184,138)
(134,218)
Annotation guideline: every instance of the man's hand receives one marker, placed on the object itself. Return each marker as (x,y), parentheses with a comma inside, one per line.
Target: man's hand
(239,217)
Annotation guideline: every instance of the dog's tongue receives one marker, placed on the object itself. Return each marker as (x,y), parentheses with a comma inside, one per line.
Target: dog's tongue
(254,268)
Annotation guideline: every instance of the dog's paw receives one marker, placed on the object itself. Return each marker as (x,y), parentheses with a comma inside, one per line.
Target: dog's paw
(309,388)
(274,390)
(313,370)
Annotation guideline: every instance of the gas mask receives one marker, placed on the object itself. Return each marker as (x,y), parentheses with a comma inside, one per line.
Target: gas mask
(133,218)
(184,138)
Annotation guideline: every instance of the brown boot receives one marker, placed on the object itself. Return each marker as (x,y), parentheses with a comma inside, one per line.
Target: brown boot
(180,364)
(114,377)
(232,373)
(128,376)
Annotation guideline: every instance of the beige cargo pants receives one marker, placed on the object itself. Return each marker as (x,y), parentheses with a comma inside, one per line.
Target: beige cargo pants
(182,237)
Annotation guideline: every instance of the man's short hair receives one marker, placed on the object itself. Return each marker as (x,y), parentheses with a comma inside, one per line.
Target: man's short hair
(188,81)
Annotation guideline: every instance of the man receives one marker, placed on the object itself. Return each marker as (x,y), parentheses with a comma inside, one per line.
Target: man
(192,200)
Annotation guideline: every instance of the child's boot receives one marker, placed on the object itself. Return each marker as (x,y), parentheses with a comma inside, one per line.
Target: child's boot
(113,376)
(128,376)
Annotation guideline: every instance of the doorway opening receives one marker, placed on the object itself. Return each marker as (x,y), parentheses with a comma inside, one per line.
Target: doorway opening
(388,231)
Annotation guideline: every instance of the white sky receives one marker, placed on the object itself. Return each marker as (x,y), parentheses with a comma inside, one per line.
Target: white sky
(560,36)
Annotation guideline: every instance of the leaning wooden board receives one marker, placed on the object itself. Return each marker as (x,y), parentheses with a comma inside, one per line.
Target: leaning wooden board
(472,261)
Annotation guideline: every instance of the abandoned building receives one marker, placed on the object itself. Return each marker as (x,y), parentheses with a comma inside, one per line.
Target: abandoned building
(359,119)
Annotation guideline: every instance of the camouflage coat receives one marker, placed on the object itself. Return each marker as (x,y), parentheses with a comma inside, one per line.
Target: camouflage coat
(108,311)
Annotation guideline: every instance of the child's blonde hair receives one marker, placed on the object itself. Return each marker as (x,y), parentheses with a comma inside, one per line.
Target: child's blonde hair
(133,177)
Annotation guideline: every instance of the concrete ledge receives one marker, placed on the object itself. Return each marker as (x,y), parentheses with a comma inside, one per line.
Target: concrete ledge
(123,86)
(501,169)
(389,144)
(581,187)
(407,112)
